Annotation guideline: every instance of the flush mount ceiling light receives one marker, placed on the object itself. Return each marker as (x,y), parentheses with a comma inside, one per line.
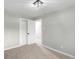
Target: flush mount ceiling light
(38,3)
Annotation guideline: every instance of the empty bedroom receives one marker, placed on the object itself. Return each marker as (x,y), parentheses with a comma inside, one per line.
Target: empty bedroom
(39,29)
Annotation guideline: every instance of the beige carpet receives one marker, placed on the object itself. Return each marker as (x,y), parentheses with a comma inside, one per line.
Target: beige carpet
(29,52)
(61,56)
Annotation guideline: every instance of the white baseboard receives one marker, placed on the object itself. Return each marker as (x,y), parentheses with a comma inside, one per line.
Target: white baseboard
(12,47)
(66,54)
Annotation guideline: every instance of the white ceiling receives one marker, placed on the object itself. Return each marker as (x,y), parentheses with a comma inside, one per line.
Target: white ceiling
(25,8)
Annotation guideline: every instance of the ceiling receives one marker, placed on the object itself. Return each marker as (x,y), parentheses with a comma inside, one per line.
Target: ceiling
(25,8)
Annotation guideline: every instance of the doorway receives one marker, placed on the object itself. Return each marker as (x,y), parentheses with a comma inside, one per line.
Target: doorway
(30,31)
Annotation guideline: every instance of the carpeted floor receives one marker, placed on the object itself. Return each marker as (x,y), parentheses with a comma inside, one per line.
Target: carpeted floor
(29,52)
(61,56)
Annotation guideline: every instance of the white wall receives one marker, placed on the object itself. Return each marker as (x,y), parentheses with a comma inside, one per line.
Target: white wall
(16,30)
(58,31)
(11,31)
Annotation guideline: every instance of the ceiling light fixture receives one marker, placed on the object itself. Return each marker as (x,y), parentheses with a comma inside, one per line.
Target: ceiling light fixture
(38,3)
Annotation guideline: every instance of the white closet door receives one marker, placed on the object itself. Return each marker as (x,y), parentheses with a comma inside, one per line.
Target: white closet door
(23,32)
(34,29)
(31,31)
